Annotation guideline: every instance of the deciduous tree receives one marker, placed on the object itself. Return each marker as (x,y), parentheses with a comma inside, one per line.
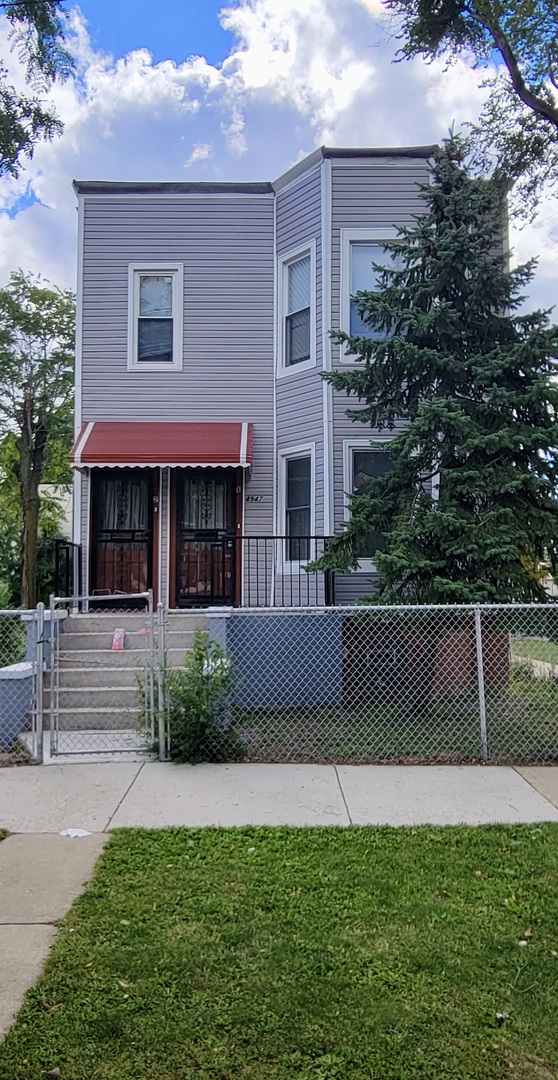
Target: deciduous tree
(518,127)
(37,325)
(37,35)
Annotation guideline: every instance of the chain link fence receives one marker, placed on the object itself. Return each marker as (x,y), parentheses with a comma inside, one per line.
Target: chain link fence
(354,684)
(407,684)
(20,687)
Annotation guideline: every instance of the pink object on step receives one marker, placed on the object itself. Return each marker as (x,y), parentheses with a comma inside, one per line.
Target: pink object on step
(118,638)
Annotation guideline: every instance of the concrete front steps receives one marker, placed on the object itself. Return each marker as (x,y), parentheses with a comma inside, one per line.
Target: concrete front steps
(98,686)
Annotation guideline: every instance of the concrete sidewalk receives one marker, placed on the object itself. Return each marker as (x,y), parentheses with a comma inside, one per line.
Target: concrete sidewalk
(101,797)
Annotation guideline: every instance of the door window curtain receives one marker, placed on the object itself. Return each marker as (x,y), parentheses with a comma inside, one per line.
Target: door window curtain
(205,503)
(124,504)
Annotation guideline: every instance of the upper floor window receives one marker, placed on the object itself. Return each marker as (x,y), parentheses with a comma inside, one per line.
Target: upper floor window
(360,249)
(155,317)
(297,315)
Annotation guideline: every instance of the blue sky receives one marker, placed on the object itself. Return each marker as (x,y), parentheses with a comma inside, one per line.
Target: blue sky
(170,29)
(235,92)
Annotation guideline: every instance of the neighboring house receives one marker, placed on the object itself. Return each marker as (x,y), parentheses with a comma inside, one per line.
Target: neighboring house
(61,495)
(203,428)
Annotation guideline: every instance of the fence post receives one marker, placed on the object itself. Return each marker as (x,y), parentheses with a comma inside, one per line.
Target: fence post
(480,678)
(53,687)
(40,682)
(161,711)
(150,689)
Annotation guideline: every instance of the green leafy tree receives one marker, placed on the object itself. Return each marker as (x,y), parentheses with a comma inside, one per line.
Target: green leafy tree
(37,327)
(51,515)
(37,33)
(469,505)
(518,127)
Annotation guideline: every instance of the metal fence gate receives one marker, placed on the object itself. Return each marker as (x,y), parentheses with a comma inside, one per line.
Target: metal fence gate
(100,675)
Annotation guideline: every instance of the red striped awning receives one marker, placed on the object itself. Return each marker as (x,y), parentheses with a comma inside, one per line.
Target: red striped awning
(155,445)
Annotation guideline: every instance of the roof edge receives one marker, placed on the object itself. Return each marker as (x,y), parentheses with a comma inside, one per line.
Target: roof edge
(201,187)
(421,152)
(168,187)
(300,167)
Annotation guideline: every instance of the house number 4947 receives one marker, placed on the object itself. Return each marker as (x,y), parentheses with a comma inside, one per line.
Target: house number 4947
(254,498)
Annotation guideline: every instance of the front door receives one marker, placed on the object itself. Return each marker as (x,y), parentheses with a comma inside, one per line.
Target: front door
(206,548)
(122,532)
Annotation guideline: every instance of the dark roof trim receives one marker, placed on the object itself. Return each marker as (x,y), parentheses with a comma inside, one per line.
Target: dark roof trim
(385,153)
(137,187)
(380,152)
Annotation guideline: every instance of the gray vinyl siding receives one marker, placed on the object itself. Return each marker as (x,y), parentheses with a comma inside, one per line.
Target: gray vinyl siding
(363,197)
(350,588)
(226,247)
(370,197)
(299,394)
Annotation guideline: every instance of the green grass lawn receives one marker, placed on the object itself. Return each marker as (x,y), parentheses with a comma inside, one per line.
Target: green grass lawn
(536,649)
(325,954)
(522,721)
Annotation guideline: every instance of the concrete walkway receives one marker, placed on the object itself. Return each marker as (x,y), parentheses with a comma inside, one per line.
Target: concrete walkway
(40,876)
(42,872)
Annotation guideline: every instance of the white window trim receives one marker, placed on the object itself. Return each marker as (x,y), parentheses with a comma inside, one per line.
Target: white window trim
(348,237)
(365,565)
(177,272)
(282,284)
(284,565)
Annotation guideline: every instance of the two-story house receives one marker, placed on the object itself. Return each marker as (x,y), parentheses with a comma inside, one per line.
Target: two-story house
(210,456)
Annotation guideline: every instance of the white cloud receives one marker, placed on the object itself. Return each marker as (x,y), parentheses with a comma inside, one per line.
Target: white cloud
(293,51)
(539,240)
(200,152)
(234,132)
(300,72)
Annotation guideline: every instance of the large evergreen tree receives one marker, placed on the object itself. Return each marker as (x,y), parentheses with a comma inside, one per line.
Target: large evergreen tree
(470,504)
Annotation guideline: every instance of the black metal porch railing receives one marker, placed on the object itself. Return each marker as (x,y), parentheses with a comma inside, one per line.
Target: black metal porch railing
(240,571)
(67,568)
(251,571)
(274,572)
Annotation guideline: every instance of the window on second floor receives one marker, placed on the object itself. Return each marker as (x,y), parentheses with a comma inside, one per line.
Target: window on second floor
(297,310)
(360,249)
(155,318)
